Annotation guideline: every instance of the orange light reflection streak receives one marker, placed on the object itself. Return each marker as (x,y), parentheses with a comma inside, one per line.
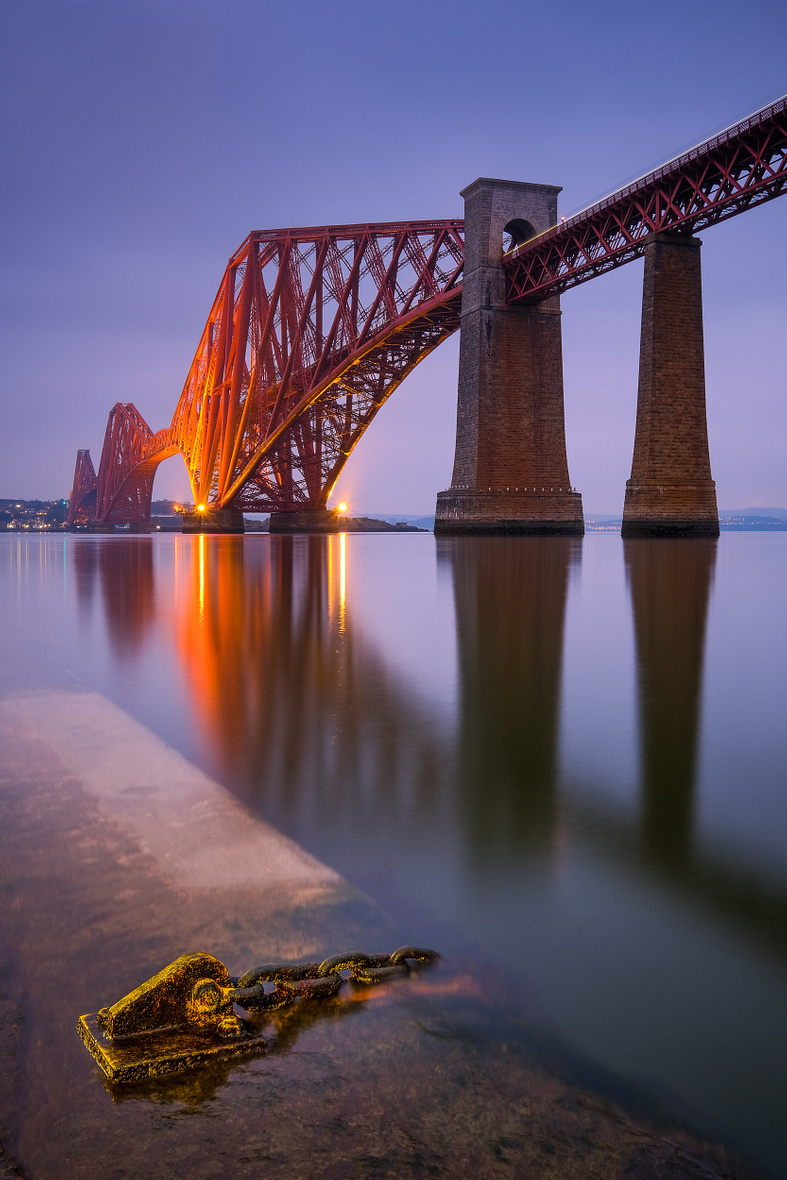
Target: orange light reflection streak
(201,578)
(342,579)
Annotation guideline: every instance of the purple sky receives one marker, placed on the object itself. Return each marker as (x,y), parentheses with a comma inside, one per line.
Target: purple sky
(143,139)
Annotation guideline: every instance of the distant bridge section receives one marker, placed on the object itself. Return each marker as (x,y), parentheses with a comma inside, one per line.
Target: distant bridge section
(744,166)
(309,334)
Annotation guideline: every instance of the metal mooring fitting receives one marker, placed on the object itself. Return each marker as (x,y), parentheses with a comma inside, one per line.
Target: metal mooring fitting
(181,1018)
(185,1016)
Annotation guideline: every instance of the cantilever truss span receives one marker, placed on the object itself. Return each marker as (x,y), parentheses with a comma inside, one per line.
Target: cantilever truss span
(313,329)
(310,332)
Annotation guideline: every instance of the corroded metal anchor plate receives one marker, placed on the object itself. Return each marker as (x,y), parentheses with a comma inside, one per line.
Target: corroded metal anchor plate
(185,1016)
(181,1018)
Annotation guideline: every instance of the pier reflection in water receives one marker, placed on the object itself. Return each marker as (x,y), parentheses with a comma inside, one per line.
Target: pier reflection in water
(510,601)
(655,945)
(670,587)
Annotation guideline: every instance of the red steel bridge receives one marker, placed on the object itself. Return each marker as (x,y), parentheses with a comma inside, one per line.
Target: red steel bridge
(313,329)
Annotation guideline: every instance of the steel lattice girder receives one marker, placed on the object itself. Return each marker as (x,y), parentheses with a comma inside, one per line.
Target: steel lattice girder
(129,458)
(82,498)
(743,166)
(310,332)
(306,459)
(272,405)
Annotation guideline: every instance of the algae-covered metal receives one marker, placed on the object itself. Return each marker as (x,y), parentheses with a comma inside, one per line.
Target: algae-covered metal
(185,1016)
(181,1018)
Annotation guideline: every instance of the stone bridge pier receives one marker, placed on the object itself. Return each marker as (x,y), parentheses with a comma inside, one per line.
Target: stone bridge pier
(510,470)
(671,492)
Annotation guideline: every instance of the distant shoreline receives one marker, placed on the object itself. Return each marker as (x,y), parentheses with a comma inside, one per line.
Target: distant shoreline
(728,522)
(50,516)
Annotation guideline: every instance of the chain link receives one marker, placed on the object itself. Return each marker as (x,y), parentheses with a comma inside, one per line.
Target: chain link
(313,981)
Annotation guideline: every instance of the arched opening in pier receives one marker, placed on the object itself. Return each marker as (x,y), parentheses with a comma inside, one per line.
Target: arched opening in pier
(516,232)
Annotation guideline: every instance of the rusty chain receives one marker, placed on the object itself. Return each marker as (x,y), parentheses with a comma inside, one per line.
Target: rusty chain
(294,981)
(188,1008)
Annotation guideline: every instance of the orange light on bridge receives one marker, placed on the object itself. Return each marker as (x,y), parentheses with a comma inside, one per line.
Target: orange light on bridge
(201,507)
(342,507)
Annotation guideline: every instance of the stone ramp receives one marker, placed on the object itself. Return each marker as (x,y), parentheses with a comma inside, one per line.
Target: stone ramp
(201,838)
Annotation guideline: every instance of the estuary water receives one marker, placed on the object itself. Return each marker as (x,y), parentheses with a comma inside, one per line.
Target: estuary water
(562,762)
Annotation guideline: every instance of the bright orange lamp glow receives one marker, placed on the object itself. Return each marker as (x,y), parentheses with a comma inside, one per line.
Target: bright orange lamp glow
(342,507)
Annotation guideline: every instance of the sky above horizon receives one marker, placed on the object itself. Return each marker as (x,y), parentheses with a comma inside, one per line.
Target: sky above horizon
(142,141)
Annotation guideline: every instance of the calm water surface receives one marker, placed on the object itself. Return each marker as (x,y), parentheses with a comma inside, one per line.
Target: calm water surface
(564,758)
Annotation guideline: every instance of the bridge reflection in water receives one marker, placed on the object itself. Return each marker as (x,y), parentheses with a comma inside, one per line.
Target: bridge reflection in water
(303,716)
(125,570)
(467,807)
(302,712)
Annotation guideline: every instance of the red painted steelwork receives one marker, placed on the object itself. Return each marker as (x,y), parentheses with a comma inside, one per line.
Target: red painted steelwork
(129,458)
(311,331)
(82,500)
(743,166)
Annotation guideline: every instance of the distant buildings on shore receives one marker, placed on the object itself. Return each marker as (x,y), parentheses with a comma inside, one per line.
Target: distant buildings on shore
(38,515)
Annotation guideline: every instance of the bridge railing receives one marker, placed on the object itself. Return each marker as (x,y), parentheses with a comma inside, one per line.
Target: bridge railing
(673,166)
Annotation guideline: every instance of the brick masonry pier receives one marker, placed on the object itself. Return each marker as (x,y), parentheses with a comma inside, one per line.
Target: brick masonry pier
(510,470)
(671,492)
